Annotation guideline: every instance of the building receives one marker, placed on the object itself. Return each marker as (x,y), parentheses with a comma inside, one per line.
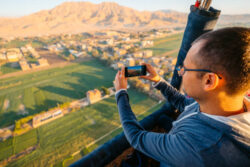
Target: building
(121,52)
(130,62)
(5,134)
(100,34)
(33,51)
(126,47)
(147,53)
(93,96)
(106,41)
(138,54)
(81,54)
(126,39)
(55,48)
(24,49)
(89,49)
(34,66)
(14,55)
(155,60)
(3,56)
(146,44)
(84,46)
(46,117)
(117,65)
(43,62)
(24,65)
(112,33)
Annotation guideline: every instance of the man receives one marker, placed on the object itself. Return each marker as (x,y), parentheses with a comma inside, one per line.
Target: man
(215,129)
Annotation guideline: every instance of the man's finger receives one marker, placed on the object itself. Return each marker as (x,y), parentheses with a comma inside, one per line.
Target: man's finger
(148,67)
(117,74)
(151,69)
(123,71)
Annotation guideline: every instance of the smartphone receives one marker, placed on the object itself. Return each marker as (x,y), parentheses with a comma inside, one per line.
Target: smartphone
(133,71)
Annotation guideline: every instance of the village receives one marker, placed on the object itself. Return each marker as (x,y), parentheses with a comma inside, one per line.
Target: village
(115,49)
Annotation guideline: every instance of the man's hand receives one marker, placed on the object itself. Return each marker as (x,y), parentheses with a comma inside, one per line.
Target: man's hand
(153,76)
(120,80)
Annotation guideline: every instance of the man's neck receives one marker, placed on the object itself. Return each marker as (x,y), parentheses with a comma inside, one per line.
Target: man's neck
(223,106)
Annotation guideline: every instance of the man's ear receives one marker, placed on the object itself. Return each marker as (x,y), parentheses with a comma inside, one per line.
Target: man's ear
(210,81)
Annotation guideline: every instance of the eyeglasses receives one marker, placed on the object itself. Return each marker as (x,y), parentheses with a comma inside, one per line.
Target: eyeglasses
(181,71)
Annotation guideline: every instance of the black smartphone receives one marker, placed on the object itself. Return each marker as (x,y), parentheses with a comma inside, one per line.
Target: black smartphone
(133,71)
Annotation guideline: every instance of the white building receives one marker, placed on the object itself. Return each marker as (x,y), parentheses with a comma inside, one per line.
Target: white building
(147,53)
(3,56)
(146,44)
(130,62)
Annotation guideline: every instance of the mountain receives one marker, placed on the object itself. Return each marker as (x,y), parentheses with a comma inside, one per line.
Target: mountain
(76,17)
(234,20)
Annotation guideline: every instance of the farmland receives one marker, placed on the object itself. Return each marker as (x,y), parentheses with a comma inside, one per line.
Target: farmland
(6,68)
(61,138)
(167,46)
(32,93)
(79,132)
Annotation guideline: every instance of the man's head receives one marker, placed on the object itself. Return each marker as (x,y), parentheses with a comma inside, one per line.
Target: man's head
(225,52)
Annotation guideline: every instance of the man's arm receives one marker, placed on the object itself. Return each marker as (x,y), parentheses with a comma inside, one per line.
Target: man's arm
(173,96)
(178,100)
(168,148)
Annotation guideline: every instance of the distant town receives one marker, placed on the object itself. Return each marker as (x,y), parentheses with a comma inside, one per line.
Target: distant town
(115,49)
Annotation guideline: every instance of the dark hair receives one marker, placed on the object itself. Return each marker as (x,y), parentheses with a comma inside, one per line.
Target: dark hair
(227,52)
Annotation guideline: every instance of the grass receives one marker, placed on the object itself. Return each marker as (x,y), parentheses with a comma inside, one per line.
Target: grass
(42,90)
(6,148)
(167,44)
(17,144)
(25,140)
(31,59)
(6,68)
(109,137)
(59,139)
(17,43)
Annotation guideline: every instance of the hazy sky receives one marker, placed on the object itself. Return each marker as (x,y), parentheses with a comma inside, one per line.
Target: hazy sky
(24,7)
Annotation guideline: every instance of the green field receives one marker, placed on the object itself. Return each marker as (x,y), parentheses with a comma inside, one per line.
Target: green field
(6,68)
(167,44)
(42,90)
(17,144)
(59,139)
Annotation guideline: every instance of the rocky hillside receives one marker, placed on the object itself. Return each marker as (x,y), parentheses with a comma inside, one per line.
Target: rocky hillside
(74,17)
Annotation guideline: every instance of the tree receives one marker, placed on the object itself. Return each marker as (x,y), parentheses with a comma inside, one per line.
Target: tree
(105,90)
(105,55)
(71,57)
(66,52)
(95,53)
(131,50)
(115,56)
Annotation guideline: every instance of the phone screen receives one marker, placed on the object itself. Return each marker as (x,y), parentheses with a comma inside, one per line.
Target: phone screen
(135,71)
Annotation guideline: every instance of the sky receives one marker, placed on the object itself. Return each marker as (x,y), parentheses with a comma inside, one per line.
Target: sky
(16,8)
